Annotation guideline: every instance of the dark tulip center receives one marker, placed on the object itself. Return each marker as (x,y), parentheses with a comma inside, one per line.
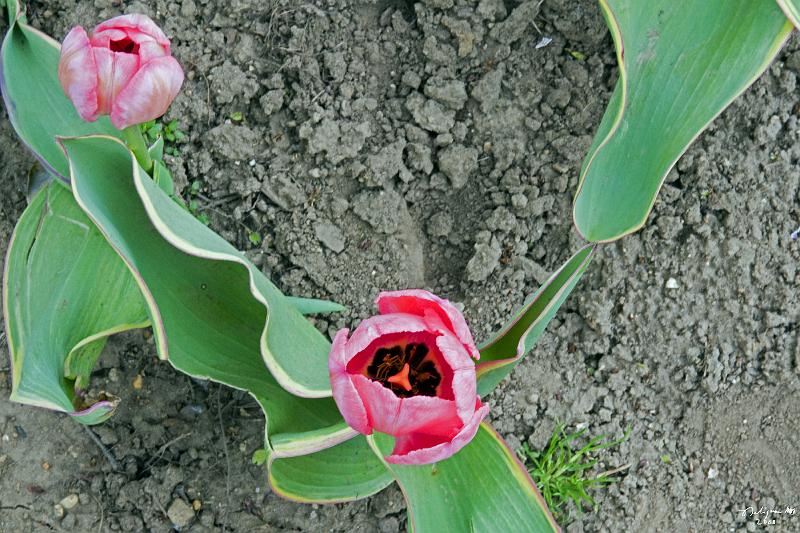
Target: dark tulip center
(124,45)
(405,370)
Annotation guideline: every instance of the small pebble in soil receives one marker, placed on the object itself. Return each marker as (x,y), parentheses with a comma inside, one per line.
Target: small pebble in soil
(69,502)
(672,283)
(180,513)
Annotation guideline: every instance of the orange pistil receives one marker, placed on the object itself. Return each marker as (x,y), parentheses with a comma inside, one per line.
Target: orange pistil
(401,378)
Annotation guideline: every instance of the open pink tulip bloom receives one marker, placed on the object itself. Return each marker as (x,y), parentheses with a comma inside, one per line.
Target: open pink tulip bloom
(409,372)
(123,69)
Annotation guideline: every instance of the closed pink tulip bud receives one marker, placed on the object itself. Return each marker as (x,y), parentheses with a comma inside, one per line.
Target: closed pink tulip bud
(409,372)
(123,69)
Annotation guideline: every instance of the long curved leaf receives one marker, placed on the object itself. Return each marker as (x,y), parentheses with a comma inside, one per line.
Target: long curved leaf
(207,306)
(206,302)
(345,472)
(481,489)
(37,106)
(501,354)
(56,322)
(792,10)
(681,64)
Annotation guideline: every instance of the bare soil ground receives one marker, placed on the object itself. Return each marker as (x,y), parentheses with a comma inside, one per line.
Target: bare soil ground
(386,144)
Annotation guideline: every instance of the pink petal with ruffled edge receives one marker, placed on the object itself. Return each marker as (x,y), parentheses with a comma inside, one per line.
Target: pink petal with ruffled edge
(420,449)
(400,416)
(77,73)
(151,50)
(114,71)
(138,28)
(418,301)
(148,94)
(375,327)
(344,393)
(464,384)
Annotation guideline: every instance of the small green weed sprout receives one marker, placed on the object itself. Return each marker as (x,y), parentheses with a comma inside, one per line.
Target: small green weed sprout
(193,206)
(563,474)
(153,129)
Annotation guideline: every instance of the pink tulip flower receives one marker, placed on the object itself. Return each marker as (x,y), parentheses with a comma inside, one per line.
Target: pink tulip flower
(409,372)
(123,69)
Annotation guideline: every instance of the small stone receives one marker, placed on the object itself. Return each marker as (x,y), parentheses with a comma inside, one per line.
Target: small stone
(672,283)
(452,93)
(440,224)
(411,79)
(180,513)
(484,261)
(516,24)
(329,235)
(45,466)
(430,114)
(379,209)
(487,90)
(197,505)
(418,157)
(272,102)
(60,512)
(283,191)
(713,473)
(70,501)
(492,9)
(138,382)
(458,163)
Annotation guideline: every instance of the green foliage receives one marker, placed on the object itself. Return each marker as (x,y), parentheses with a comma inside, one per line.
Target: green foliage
(193,205)
(260,457)
(503,352)
(57,323)
(481,489)
(170,132)
(237,116)
(35,101)
(683,63)
(563,474)
(254,237)
(792,10)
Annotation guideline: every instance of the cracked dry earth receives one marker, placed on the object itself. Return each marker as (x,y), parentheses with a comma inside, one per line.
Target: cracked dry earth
(386,144)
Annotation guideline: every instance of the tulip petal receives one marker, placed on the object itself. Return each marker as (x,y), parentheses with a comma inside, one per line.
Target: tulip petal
(421,448)
(77,72)
(344,393)
(418,302)
(373,328)
(401,416)
(151,50)
(463,378)
(137,27)
(149,93)
(114,71)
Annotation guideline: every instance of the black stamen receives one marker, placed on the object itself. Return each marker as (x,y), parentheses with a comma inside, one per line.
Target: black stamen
(423,375)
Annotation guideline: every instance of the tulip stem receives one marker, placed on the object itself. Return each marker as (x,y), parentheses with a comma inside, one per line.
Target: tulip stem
(135,141)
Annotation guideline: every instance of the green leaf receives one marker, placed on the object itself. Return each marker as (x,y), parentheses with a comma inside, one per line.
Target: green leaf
(345,472)
(163,178)
(313,306)
(216,317)
(254,237)
(213,277)
(214,314)
(503,352)
(156,150)
(37,106)
(792,10)
(482,488)
(683,63)
(57,323)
